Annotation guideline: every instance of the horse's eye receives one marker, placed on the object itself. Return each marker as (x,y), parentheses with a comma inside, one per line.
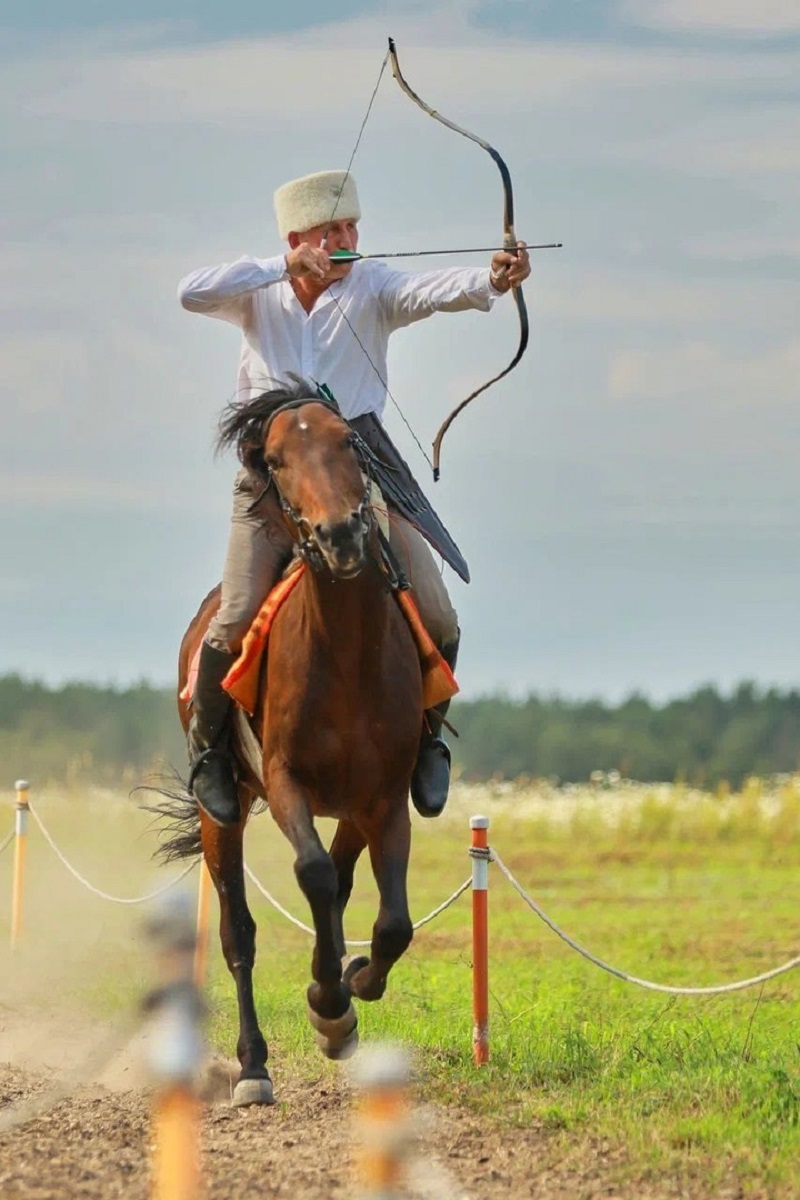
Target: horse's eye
(273,461)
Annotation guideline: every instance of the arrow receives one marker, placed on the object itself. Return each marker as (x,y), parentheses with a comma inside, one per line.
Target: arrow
(348,256)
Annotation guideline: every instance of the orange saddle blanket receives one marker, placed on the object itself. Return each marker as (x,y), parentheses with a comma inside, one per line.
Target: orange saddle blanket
(242,681)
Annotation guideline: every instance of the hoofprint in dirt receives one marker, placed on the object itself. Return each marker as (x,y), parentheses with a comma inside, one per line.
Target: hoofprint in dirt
(95,1143)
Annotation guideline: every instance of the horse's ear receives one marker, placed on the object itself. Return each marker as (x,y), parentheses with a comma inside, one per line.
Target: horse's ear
(251,454)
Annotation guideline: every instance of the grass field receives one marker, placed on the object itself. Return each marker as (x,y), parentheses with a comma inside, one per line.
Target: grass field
(676,886)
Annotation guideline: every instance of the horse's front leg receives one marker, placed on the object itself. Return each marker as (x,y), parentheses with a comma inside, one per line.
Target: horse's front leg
(330,1008)
(346,847)
(222,850)
(389,841)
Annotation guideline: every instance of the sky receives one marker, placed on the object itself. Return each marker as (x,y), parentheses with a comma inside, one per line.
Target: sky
(627,498)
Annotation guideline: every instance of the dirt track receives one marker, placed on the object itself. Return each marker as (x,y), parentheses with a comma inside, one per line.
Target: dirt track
(94,1142)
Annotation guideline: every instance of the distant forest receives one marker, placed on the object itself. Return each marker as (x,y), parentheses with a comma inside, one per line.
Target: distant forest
(84,733)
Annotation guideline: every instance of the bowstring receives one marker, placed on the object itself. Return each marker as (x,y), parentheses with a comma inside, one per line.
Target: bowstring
(360,135)
(333,297)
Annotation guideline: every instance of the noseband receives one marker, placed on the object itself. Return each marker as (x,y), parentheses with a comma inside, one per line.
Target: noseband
(308,546)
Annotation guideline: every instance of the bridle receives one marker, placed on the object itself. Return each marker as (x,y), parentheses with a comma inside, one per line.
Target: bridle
(307,542)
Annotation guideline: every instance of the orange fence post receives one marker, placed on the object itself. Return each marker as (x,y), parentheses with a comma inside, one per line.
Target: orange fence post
(480,938)
(203,907)
(176,1166)
(384,1124)
(20,845)
(176,1052)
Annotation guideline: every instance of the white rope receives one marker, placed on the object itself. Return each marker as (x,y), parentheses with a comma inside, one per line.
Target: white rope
(445,904)
(623,975)
(350,941)
(7,841)
(96,891)
(268,896)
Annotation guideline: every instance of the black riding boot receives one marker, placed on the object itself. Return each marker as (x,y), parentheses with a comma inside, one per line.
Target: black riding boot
(211,779)
(430,781)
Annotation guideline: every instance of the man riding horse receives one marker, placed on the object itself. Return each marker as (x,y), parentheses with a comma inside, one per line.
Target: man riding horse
(305,316)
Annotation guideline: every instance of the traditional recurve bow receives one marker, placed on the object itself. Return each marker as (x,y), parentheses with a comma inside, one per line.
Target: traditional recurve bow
(509,242)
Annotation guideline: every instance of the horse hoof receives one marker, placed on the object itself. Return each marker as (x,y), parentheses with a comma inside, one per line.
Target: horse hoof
(351,966)
(339,1051)
(337,1037)
(335,1028)
(369,990)
(252,1091)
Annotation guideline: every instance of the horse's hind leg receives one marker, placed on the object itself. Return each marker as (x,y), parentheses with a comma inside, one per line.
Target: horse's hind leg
(389,843)
(222,849)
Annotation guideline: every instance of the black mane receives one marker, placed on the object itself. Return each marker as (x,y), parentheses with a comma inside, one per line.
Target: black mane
(242,422)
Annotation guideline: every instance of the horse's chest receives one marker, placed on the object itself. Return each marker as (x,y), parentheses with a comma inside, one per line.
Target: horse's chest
(344,769)
(347,725)
(336,754)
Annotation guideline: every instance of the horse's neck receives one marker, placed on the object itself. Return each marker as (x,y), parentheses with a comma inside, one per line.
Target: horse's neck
(341,611)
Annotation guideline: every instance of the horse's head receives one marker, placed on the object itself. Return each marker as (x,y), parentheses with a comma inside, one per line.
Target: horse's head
(311,456)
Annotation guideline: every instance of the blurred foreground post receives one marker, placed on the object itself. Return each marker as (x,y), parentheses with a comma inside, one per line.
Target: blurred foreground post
(384,1126)
(479,852)
(20,845)
(176,1052)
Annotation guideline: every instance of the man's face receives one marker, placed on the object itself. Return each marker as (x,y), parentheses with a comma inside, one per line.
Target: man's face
(336,235)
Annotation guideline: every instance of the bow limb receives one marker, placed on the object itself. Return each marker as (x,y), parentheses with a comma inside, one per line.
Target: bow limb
(509,241)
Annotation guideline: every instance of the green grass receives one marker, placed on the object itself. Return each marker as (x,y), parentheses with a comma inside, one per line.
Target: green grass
(675,886)
(690,890)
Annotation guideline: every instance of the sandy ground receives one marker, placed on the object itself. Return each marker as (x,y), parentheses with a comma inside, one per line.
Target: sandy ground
(73,1127)
(82,1128)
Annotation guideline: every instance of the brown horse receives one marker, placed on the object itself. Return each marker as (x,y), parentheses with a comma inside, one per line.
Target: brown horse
(338,720)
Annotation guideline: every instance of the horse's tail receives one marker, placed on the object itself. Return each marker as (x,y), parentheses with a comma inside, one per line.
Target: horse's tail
(176,818)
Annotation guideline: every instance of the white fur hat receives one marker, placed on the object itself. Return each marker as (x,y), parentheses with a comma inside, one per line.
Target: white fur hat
(314,200)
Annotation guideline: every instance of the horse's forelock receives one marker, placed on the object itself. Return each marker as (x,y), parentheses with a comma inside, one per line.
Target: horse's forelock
(243,422)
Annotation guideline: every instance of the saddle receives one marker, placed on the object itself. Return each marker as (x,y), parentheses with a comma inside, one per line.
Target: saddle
(242,682)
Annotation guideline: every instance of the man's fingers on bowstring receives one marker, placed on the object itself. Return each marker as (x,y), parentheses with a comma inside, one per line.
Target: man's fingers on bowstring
(318,262)
(309,260)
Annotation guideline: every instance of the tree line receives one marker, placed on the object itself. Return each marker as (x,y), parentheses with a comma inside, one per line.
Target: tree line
(84,732)
(702,738)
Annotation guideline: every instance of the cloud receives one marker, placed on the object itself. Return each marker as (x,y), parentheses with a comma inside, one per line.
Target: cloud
(757,144)
(737,18)
(707,373)
(746,248)
(48,490)
(609,298)
(251,81)
(39,370)
(134,157)
(664,299)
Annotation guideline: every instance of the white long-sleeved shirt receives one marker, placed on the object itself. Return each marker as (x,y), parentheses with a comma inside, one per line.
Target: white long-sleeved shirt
(281,340)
